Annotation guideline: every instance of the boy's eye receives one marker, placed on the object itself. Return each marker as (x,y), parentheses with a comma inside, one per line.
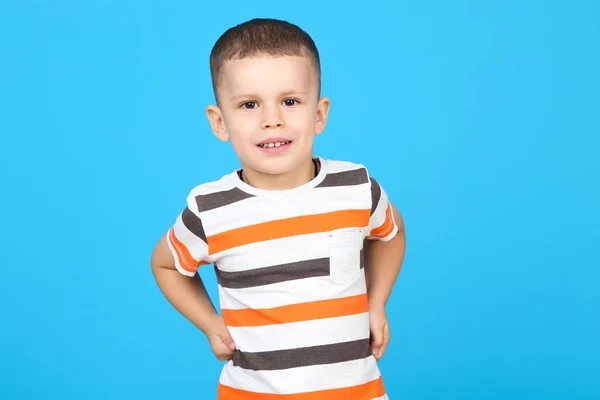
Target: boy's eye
(249,105)
(290,102)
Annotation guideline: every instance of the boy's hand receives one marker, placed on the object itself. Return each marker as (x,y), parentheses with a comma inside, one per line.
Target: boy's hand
(380,332)
(220,340)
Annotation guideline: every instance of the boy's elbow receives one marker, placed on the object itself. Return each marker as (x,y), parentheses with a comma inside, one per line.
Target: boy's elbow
(154,264)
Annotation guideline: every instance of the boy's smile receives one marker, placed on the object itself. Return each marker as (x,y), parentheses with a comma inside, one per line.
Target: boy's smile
(269,108)
(275,145)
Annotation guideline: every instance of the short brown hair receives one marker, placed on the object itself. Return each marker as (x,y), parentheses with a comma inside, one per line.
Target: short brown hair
(262,36)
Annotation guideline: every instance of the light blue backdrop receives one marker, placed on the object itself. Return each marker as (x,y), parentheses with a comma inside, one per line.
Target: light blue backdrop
(481,118)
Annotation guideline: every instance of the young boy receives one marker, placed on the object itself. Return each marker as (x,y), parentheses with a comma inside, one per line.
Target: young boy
(303,305)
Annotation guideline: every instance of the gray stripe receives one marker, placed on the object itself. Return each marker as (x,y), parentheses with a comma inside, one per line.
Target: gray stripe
(362,257)
(211,201)
(375,194)
(303,357)
(277,273)
(346,178)
(193,223)
(273,274)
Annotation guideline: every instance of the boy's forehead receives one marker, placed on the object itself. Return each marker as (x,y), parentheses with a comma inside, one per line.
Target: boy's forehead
(261,73)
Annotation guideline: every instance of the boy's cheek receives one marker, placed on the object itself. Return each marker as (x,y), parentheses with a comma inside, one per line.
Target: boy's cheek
(244,130)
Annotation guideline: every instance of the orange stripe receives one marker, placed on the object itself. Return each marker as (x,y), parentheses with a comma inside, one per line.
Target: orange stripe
(186,260)
(297,312)
(387,227)
(287,227)
(367,391)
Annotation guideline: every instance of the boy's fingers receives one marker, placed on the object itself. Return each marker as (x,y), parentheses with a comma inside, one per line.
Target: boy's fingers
(230,345)
(228,341)
(223,345)
(223,352)
(386,340)
(376,342)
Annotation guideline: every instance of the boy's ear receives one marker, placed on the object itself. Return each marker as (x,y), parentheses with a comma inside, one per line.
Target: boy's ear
(215,118)
(322,113)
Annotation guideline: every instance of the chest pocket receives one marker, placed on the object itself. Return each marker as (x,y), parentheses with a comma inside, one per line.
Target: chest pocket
(344,253)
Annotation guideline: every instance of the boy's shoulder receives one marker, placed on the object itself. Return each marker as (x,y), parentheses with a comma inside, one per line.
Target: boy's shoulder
(205,195)
(226,182)
(336,167)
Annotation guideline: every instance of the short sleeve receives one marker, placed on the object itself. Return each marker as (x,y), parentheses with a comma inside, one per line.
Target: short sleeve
(187,242)
(382,225)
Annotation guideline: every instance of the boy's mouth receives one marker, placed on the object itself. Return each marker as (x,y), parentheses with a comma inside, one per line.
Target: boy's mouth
(274,145)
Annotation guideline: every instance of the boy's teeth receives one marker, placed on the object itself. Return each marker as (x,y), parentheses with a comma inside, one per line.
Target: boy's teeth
(273,144)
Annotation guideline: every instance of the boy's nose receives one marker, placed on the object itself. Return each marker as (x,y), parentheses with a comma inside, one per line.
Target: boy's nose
(272,120)
(272,124)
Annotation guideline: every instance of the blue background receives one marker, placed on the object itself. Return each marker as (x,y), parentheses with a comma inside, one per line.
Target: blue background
(481,119)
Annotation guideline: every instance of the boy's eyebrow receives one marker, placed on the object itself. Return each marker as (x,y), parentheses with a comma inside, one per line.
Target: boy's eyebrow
(282,94)
(291,92)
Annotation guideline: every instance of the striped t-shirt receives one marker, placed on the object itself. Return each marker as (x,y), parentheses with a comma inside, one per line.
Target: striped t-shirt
(291,280)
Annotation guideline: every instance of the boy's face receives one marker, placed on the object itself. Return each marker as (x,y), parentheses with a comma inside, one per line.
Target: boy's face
(270,110)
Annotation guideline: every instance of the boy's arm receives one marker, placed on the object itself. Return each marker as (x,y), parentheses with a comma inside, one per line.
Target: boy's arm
(384,260)
(189,296)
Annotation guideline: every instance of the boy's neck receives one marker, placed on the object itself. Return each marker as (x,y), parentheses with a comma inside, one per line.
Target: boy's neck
(304,174)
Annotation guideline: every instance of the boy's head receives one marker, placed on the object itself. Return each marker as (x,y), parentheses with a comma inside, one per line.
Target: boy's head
(267,81)
(262,37)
